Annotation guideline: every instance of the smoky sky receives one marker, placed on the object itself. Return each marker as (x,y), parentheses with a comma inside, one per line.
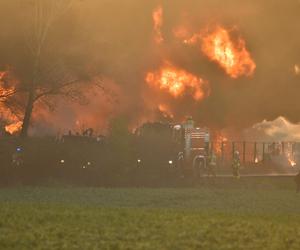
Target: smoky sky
(115,39)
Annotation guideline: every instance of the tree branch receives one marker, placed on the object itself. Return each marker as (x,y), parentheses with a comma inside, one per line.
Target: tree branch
(56,90)
(4,95)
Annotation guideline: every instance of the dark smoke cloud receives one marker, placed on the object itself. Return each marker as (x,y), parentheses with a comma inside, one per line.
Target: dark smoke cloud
(115,39)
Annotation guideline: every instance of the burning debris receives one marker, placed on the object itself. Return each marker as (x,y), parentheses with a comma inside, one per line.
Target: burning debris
(14,127)
(178,82)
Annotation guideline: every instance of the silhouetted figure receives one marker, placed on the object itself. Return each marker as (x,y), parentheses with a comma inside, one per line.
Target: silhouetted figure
(181,164)
(236,164)
(199,165)
(297,180)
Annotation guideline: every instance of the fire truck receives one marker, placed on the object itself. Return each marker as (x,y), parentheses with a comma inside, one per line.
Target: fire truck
(195,147)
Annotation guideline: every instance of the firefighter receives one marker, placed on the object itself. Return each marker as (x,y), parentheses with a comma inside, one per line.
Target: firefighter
(212,163)
(180,163)
(199,164)
(236,164)
(297,180)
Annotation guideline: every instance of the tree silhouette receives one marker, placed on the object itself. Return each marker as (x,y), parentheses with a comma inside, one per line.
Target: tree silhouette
(46,80)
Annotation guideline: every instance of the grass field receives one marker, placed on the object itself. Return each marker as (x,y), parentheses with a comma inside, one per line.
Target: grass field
(252,213)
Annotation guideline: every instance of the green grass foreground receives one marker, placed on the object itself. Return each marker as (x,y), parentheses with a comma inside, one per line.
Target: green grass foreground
(246,214)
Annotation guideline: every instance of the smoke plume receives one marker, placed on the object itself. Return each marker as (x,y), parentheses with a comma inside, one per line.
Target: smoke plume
(120,41)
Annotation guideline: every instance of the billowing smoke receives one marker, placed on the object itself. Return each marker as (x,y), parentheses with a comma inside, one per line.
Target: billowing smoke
(278,130)
(124,41)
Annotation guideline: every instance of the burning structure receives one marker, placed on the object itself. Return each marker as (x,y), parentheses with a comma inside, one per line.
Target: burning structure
(166,61)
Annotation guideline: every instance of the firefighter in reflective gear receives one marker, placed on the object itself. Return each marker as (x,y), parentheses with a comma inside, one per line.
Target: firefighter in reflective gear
(181,164)
(212,163)
(297,180)
(236,164)
(180,159)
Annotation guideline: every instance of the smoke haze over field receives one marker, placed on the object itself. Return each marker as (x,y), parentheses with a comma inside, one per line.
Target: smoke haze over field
(116,40)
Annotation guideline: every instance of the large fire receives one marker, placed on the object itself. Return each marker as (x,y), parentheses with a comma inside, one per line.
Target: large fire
(157,17)
(232,56)
(177,82)
(219,46)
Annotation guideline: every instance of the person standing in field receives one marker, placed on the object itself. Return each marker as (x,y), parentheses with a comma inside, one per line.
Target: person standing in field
(236,164)
(297,180)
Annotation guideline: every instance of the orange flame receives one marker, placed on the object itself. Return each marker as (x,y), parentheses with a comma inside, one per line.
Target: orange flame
(290,159)
(14,124)
(220,47)
(218,141)
(297,69)
(177,81)
(14,127)
(4,90)
(166,112)
(292,163)
(232,56)
(157,17)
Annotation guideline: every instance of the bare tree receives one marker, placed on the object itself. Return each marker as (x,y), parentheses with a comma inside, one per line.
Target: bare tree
(46,79)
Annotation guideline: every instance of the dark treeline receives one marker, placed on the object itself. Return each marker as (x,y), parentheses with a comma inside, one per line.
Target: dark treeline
(144,158)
